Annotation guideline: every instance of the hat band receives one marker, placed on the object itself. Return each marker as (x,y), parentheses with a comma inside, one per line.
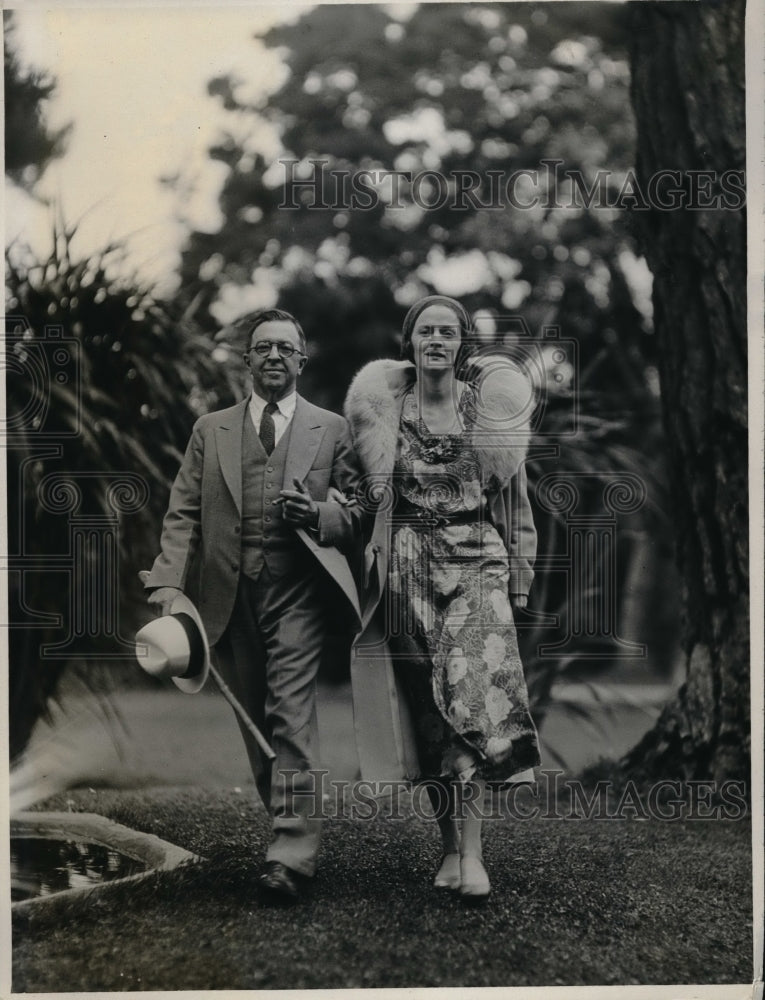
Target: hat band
(196,646)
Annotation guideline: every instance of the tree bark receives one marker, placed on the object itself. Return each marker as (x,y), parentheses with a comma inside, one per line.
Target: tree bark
(688,95)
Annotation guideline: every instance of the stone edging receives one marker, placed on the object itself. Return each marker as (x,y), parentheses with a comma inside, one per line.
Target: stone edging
(157,854)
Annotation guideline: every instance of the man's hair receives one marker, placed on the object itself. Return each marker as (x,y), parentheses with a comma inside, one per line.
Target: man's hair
(252,321)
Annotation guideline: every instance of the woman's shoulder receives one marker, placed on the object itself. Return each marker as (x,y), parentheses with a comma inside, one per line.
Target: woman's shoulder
(499,382)
(490,359)
(373,409)
(377,384)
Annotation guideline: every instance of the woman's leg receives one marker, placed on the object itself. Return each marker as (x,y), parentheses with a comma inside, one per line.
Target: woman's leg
(443,798)
(473,793)
(474,882)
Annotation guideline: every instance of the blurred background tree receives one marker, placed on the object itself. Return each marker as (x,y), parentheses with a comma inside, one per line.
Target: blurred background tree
(449,88)
(30,142)
(454,87)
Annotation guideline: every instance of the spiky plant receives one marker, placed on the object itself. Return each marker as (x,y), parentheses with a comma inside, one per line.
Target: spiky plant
(103,383)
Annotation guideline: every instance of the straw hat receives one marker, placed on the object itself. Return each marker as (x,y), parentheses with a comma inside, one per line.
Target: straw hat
(176,646)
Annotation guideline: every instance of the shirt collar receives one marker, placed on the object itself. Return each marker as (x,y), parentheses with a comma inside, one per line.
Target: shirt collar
(286,406)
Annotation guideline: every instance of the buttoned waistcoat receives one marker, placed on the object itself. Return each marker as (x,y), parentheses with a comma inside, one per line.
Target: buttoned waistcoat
(203,523)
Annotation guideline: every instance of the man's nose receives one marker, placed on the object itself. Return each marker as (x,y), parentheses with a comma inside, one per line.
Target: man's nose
(274,351)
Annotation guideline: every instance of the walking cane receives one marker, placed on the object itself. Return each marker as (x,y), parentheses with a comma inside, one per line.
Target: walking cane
(231,698)
(240,710)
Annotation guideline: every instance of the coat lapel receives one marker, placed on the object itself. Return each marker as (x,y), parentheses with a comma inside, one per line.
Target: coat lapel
(306,433)
(228,438)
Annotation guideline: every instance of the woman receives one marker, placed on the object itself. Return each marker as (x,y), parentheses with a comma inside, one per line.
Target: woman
(452,544)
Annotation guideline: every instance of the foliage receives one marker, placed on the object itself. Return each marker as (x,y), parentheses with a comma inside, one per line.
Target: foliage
(458,87)
(455,87)
(30,144)
(138,375)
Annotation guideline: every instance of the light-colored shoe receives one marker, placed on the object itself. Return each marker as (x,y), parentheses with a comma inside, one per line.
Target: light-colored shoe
(474,882)
(448,875)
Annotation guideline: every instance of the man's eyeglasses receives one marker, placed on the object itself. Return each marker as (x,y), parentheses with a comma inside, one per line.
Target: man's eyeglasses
(263,349)
(445,331)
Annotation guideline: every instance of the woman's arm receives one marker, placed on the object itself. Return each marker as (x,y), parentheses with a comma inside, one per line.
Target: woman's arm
(521,538)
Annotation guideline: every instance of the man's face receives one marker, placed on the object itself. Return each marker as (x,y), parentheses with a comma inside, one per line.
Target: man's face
(273,376)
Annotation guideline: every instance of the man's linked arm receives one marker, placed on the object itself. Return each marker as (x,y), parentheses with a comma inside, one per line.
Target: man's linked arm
(340,525)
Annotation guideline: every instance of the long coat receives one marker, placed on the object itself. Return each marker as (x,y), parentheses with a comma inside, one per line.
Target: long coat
(384,734)
(201,532)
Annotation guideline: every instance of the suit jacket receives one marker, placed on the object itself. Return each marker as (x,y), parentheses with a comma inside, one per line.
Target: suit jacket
(202,527)
(384,730)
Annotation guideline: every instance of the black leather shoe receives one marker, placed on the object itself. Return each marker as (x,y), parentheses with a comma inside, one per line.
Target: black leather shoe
(280,884)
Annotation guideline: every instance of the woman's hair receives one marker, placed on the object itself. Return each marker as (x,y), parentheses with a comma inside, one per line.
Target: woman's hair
(407,352)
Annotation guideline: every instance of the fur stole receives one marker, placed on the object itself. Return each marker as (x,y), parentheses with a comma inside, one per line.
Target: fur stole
(500,437)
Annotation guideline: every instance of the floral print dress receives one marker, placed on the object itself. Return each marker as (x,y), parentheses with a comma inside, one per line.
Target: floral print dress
(450,623)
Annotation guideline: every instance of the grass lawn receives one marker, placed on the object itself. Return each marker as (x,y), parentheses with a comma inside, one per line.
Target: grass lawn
(574,902)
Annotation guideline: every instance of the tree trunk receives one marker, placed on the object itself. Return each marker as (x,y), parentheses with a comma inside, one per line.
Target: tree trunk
(688,96)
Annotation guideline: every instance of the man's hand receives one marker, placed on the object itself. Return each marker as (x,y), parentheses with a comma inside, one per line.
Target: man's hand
(518,601)
(300,509)
(161,599)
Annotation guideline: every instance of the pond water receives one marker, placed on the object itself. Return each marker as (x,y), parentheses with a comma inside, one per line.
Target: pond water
(41,866)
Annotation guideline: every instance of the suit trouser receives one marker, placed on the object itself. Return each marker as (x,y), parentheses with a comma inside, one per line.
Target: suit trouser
(269,655)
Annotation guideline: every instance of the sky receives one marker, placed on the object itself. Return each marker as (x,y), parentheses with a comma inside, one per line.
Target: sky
(133,82)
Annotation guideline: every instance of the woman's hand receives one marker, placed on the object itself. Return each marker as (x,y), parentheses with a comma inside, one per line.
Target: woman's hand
(518,601)
(335,496)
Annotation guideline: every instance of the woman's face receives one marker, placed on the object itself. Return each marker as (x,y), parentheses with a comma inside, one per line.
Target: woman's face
(436,338)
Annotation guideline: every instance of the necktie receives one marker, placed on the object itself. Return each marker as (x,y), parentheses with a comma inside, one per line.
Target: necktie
(267,429)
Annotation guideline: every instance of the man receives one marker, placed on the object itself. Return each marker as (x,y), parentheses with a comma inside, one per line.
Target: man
(250,505)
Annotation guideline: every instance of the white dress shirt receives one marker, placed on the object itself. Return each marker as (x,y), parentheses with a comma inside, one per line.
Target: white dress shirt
(282,416)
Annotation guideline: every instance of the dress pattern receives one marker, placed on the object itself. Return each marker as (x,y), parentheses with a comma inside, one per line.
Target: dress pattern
(453,638)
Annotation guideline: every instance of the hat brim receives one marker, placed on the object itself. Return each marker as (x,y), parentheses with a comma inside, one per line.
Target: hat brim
(191,685)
